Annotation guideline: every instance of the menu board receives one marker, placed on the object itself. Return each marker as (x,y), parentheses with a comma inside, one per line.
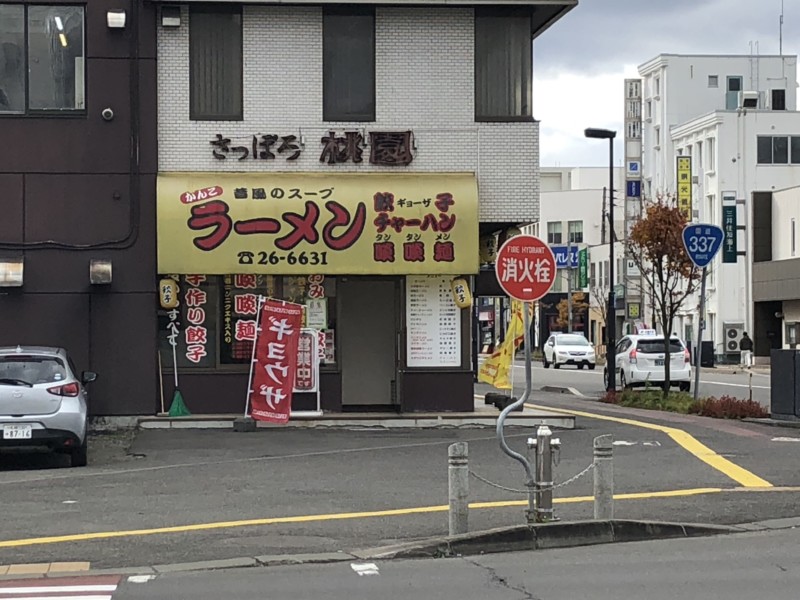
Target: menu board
(433,323)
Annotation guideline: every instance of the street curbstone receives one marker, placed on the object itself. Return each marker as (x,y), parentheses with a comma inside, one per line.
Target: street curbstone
(300,559)
(207,565)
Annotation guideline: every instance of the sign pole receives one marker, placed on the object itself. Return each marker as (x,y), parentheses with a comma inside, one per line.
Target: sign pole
(700,326)
(529,482)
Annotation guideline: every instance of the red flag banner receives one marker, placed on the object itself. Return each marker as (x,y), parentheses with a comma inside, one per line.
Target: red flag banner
(275,361)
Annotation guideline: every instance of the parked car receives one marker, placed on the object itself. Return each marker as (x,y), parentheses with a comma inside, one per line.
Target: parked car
(568,349)
(42,401)
(641,361)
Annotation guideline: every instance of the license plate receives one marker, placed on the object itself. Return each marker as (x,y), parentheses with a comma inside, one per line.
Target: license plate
(659,362)
(17,432)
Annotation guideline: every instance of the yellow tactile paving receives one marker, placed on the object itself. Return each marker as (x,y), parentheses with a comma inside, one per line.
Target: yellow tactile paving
(68,567)
(3,569)
(28,569)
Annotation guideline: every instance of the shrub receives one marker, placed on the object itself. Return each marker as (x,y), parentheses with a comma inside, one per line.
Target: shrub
(727,407)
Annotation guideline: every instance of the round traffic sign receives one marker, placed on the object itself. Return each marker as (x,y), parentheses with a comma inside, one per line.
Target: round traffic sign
(525,268)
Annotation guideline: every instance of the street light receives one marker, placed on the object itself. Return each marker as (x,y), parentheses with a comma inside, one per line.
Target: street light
(611,312)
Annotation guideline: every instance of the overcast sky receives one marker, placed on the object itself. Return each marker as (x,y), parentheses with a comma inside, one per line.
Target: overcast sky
(580,63)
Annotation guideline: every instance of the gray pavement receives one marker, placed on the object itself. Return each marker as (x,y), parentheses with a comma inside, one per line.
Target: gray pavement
(738,567)
(188,477)
(713,382)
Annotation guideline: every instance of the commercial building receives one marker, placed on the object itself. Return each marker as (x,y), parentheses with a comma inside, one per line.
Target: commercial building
(348,157)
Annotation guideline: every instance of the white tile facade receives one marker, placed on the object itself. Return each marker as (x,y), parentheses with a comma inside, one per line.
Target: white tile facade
(424,82)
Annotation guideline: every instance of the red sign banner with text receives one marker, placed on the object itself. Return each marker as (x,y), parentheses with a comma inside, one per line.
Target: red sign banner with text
(275,361)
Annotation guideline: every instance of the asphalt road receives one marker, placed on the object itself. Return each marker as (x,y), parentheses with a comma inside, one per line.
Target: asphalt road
(739,567)
(713,382)
(320,482)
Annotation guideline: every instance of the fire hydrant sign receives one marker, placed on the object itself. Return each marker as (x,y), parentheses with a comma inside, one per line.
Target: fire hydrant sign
(525,268)
(275,365)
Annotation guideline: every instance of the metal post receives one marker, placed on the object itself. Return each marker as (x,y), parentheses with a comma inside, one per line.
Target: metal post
(569,280)
(603,477)
(458,487)
(750,386)
(611,311)
(700,321)
(526,320)
(544,475)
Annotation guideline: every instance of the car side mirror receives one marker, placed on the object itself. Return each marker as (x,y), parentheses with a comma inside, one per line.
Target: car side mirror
(88,376)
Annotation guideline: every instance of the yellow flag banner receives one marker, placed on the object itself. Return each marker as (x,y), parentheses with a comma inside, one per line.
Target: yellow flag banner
(496,369)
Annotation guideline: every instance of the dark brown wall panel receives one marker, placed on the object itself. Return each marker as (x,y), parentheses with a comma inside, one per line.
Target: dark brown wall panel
(148,15)
(11,211)
(148,110)
(123,352)
(76,209)
(47,320)
(102,42)
(438,391)
(75,144)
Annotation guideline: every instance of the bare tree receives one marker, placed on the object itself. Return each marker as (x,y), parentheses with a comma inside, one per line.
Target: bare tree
(655,245)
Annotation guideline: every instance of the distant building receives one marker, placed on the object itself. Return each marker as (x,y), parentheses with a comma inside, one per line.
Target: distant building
(735,116)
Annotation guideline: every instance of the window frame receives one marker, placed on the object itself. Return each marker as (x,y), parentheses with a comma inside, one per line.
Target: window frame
(551,234)
(350,10)
(516,12)
(195,115)
(573,235)
(791,159)
(64,113)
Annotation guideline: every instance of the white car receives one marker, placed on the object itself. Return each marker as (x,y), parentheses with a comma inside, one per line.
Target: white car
(568,349)
(640,362)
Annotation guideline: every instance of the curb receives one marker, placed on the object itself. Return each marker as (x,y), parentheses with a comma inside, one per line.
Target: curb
(543,536)
(564,390)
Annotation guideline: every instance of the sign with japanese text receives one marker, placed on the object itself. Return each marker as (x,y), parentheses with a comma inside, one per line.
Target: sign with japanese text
(306,377)
(309,223)
(729,244)
(275,363)
(525,268)
(702,242)
(684,173)
(566,256)
(583,268)
(433,337)
(238,315)
(190,325)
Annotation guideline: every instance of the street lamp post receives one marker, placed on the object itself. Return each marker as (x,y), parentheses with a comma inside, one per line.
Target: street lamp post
(611,325)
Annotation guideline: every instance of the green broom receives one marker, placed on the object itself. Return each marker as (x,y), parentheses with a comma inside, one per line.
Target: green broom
(178,407)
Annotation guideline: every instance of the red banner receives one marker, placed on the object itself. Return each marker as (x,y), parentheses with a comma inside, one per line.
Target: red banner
(276,361)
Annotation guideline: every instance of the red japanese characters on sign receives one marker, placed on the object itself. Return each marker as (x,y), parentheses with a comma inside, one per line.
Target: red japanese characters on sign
(525,268)
(307,362)
(275,361)
(196,333)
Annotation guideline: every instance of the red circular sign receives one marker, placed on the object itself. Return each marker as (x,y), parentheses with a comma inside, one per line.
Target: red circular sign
(525,268)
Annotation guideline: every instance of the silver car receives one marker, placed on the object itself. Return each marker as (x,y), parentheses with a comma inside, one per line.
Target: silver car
(42,402)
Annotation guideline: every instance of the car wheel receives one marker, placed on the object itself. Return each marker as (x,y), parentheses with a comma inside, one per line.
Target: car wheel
(556,365)
(546,364)
(605,379)
(591,366)
(79,457)
(685,386)
(580,367)
(623,383)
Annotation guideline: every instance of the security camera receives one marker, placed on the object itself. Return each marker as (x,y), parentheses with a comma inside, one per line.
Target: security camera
(107,114)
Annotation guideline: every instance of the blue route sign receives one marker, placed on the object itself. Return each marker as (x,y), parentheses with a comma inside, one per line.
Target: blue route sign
(702,242)
(565,258)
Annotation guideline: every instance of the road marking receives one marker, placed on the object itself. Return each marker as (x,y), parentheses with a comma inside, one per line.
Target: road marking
(686,441)
(623,443)
(46,589)
(365,569)
(140,578)
(741,385)
(72,588)
(102,535)
(786,439)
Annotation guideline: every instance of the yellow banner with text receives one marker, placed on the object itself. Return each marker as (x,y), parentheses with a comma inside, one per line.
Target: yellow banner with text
(308,223)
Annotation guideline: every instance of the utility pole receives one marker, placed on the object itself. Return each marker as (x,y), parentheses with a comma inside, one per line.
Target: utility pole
(569,279)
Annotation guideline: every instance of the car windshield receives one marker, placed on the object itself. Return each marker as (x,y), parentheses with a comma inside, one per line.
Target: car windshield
(571,340)
(20,369)
(656,346)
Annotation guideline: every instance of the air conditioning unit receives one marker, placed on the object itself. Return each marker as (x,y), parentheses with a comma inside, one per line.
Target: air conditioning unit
(748,99)
(733,334)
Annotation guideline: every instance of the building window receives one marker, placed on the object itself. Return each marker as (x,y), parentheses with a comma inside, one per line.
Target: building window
(713,81)
(215,56)
(778,99)
(575,231)
(775,150)
(656,136)
(657,86)
(348,64)
(710,155)
(47,43)
(734,86)
(503,65)
(554,232)
(593,275)
(649,109)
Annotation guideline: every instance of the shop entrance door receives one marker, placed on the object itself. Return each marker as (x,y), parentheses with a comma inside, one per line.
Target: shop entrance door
(367,330)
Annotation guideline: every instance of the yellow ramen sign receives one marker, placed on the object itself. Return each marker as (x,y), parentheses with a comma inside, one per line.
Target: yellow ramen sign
(371,223)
